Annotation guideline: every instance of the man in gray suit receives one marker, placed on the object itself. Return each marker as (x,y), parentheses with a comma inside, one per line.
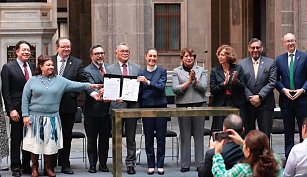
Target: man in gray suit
(259,78)
(123,67)
(97,122)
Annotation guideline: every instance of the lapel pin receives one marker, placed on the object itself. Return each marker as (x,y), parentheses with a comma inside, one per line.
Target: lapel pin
(70,63)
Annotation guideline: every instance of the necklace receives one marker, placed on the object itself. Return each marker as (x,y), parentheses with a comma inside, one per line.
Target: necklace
(46,84)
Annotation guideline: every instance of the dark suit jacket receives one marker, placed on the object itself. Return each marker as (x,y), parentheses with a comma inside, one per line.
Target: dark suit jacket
(218,89)
(264,83)
(13,81)
(153,94)
(300,77)
(232,154)
(73,71)
(93,108)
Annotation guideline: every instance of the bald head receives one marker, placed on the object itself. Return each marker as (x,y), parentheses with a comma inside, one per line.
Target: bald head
(233,121)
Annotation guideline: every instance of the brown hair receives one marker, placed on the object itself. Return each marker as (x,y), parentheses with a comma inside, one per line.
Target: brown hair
(188,50)
(146,52)
(230,53)
(261,158)
(40,62)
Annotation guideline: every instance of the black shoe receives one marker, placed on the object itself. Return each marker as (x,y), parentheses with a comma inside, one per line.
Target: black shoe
(67,170)
(26,171)
(16,172)
(184,170)
(151,172)
(92,169)
(103,168)
(161,171)
(130,170)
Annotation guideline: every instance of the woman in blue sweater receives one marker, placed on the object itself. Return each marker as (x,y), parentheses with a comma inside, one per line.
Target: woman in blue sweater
(40,111)
(152,95)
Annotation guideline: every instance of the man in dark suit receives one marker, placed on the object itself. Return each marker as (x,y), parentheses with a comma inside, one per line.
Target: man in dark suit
(260,79)
(71,68)
(14,75)
(97,121)
(123,67)
(232,152)
(292,84)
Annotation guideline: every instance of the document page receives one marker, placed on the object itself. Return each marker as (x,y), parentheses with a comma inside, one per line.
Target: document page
(111,88)
(130,90)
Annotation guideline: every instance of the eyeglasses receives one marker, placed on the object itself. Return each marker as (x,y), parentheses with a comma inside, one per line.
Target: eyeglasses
(290,40)
(256,47)
(99,53)
(65,47)
(124,51)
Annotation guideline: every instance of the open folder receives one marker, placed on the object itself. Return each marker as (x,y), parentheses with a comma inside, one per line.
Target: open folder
(119,86)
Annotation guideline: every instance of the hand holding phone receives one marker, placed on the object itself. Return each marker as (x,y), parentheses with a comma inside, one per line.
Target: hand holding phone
(219,136)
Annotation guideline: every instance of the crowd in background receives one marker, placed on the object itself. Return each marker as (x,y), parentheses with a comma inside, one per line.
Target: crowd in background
(41,103)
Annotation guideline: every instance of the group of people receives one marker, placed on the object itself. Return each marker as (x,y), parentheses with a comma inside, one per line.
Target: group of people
(41,103)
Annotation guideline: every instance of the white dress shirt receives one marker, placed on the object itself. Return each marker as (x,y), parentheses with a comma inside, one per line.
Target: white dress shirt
(297,160)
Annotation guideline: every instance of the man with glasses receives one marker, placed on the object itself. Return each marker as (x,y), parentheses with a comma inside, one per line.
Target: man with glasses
(71,68)
(124,67)
(260,79)
(292,85)
(97,122)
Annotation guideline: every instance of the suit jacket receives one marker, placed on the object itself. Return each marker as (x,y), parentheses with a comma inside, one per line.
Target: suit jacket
(195,93)
(133,70)
(93,108)
(300,77)
(265,82)
(154,93)
(232,154)
(13,81)
(73,71)
(218,89)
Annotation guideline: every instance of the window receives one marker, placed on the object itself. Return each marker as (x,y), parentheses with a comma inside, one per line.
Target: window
(167,27)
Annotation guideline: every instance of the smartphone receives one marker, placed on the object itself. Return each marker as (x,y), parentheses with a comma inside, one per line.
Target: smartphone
(219,136)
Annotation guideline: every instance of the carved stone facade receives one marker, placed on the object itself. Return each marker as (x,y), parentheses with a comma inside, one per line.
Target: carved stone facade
(33,22)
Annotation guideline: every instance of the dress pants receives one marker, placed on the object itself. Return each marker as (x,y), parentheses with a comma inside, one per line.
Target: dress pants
(67,121)
(97,127)
(152,125)
(263,116)
(16,139)
(187,127)
(289,113)
(130,130)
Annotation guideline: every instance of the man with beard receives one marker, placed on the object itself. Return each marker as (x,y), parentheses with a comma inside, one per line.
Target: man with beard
(14,76)
(97,122)
(259,78)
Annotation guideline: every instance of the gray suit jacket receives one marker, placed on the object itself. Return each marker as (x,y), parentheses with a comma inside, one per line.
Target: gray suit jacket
(92,107)
(195,93)
(265,82)
(133,70)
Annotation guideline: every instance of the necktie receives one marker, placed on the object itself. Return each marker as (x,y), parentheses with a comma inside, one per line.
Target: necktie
(101,70)
(62,67)
(291,68)
(255,64)
(125,71)
(25,68)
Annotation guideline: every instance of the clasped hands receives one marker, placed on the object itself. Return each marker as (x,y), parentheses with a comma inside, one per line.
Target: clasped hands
(293,94)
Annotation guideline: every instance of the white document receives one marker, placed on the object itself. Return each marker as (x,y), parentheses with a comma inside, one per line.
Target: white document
(130,89)
(111,88)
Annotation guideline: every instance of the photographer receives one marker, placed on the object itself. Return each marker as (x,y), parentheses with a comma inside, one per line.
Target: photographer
(259,159)
(231,153)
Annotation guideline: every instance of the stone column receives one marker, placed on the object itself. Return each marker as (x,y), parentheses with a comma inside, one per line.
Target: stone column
(33,22)
(117,21)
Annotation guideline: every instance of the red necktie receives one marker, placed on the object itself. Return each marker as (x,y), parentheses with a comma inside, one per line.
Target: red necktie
(125,71)
(101,70)
(25,68)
